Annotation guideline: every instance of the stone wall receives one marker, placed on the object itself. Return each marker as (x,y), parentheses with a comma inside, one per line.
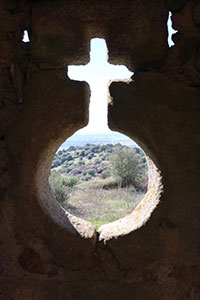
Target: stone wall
(45,253)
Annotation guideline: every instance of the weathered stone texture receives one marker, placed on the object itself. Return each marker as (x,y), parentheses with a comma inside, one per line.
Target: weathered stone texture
(43,252)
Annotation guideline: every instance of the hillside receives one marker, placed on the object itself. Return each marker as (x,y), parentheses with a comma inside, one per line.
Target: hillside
(88,161)
(86,181)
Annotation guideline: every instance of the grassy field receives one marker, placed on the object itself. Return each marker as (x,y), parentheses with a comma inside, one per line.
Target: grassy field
(101,201)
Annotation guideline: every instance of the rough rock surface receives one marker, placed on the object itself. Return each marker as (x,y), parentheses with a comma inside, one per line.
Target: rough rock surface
(46,254)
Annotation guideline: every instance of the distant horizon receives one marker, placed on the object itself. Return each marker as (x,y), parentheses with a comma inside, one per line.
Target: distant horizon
(110,137)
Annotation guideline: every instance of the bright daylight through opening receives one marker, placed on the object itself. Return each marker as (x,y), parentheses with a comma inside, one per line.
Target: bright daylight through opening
(26,37)
(98,73)
(171,31)
(97,174)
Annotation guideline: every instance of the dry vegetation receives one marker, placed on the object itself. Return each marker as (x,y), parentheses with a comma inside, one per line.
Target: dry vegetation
(88,181)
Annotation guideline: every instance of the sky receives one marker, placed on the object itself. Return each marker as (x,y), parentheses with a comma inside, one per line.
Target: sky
(98,73)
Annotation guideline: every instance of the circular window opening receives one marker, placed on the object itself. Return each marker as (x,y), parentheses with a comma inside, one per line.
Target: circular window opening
(99,177)
(104,180)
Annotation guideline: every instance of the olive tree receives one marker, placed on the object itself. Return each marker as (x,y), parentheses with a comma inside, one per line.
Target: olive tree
(128,167)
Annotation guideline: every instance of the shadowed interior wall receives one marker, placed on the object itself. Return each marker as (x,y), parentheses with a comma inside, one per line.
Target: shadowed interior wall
(46,258)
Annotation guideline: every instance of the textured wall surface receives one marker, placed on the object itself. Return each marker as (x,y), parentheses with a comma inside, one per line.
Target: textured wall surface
(45,254)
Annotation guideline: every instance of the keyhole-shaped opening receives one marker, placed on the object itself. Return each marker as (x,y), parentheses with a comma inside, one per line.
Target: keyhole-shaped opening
(97,174)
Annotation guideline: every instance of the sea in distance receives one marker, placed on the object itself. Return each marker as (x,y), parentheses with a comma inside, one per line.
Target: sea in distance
(98,139)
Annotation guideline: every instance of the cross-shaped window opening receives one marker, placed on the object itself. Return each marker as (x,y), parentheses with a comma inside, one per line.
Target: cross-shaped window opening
(98,73)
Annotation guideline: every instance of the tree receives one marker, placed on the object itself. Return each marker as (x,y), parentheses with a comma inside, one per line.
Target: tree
(127,167)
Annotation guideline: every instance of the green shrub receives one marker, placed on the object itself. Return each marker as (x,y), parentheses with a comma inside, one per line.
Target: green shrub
(87,177)
(56,163)
(92,172)
(70,182)
(97,161)
(60,194)
(82,153)
(105,174)
(68,170)
(59,191)
(110,184)
(71,148)
(69,157)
